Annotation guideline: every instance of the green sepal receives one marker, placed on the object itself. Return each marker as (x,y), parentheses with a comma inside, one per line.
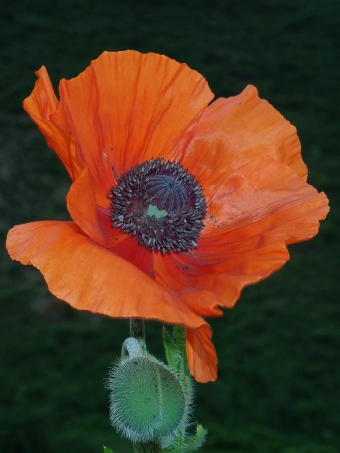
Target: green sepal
(107,450)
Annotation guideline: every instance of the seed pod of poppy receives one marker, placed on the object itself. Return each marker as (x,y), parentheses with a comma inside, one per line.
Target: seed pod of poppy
(147,401)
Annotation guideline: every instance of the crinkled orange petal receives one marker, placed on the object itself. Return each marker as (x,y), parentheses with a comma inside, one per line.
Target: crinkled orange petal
(128,107)
(235,130)
(40,105)
(255,213)
(90,277)
(131,250)
(201,354)
(215,285)
(90,218)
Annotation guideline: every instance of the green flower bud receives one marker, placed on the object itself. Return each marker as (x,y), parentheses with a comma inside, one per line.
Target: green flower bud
(147,401)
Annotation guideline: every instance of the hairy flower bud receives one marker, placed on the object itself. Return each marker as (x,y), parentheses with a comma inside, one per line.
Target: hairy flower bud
(147,400)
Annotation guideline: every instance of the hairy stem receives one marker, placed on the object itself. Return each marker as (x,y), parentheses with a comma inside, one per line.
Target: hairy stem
(151,447)
(137,330)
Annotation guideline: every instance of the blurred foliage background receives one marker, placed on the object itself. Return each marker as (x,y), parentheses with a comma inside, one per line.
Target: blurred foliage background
(279,348)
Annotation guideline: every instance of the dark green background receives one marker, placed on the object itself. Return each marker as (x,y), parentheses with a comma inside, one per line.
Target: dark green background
(279,348)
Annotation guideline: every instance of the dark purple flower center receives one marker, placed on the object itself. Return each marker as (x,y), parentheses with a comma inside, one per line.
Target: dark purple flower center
(160,203)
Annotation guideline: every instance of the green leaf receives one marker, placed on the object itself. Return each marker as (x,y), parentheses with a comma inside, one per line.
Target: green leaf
(196,441)
(179,337)
(172,352)
(190,443)
(175,350)
(180,341)
(107,450)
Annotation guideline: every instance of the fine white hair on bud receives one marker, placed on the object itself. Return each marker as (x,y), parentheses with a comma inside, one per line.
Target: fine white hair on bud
(147,401)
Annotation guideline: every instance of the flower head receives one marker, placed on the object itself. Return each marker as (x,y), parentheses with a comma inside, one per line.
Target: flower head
(176,203)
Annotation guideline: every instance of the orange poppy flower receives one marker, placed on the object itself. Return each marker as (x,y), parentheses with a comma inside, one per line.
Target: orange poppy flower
(176,204)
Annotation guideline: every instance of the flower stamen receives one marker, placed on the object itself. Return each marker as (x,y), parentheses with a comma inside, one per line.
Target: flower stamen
(160,203)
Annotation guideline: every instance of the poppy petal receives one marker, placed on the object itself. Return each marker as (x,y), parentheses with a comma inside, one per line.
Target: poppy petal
(235,130)
(90,218)
(40,105)
(131,250)
(89,277)
(128,107)
(257,211)
(201,353)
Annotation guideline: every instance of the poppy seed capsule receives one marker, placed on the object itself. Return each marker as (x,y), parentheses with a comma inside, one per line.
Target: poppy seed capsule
(147,401)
